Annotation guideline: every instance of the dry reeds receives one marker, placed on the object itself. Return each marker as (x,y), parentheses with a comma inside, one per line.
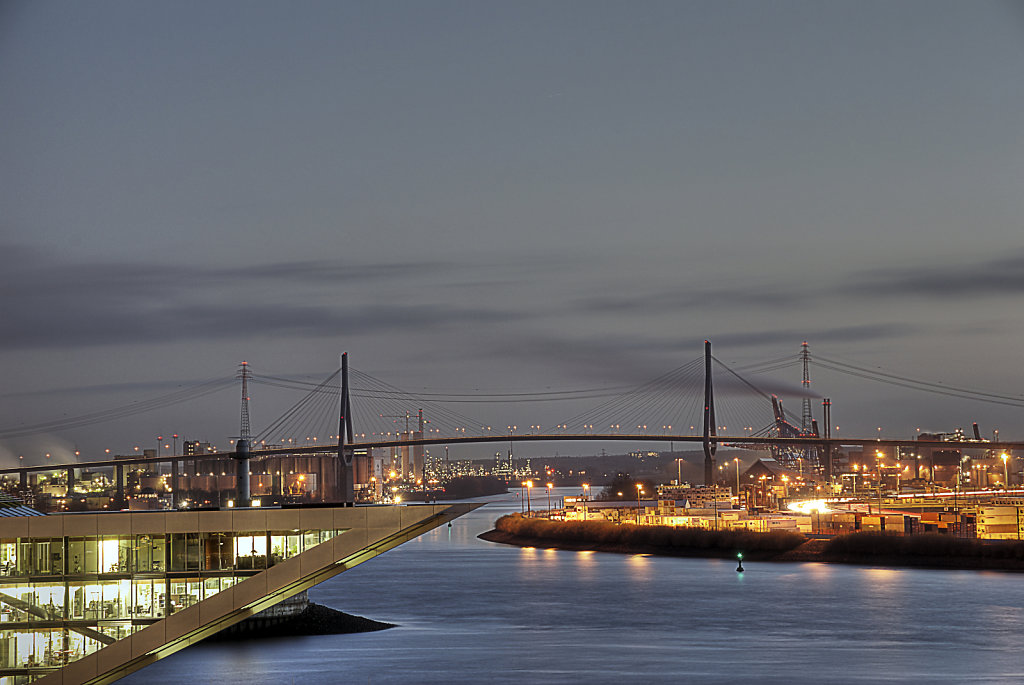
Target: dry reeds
(924,545)
(668,537)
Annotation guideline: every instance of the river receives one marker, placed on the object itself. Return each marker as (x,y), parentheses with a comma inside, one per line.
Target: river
(470,611)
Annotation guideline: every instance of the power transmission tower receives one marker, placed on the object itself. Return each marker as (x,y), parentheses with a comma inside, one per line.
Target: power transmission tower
(245,432)
(242,493)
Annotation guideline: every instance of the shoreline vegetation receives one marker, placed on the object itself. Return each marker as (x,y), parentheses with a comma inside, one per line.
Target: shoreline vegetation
(928,550)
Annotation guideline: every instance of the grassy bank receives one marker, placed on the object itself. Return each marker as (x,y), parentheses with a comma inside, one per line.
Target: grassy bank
(661,539)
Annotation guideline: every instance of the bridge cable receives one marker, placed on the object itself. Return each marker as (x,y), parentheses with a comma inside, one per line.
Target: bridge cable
(123,411)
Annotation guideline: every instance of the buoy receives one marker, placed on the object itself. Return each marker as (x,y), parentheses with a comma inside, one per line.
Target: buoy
(739,566)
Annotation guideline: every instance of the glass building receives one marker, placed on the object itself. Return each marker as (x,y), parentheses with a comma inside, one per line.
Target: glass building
(90,597)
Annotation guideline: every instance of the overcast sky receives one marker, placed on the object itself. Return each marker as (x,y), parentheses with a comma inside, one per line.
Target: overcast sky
(506,197)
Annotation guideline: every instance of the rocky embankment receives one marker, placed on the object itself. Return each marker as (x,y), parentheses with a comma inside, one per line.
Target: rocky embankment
(314,619)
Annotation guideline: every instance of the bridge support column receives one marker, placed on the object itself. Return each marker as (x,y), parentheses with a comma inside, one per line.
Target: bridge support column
(119,479)
(242,495)
(710,429)
(826,463)
(175,478)
(345,434)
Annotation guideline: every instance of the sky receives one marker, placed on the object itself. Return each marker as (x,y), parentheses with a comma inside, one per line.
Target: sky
(485,197)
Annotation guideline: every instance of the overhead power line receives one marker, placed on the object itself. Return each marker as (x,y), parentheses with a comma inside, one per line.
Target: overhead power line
(917,384)
(123,411)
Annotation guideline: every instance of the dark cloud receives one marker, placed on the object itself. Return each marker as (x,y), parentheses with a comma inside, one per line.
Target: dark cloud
(134,387)
(50,303)
(687,297)
(639,358)
(991,278)
(55,303)
(793,338)
(321,273)
(32,271)
(87,324)
(1003,276)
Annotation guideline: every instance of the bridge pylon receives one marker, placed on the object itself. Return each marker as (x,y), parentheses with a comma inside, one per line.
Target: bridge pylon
(346,468)
(710,429)
(826,449)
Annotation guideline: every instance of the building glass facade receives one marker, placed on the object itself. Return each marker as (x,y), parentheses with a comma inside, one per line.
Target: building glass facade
(62,598)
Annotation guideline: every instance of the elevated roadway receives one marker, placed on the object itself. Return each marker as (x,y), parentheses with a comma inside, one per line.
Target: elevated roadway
(722,440)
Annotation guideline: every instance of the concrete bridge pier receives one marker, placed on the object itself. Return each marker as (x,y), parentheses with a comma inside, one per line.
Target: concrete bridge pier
(244,499)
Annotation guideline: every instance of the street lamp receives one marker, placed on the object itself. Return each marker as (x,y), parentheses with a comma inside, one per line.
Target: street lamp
(549,499)
(639,490)
(529,486)
(737,460)
(586,496)
(1006,470)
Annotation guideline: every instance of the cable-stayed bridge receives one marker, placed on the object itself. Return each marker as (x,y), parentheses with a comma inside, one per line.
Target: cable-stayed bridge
(702,402)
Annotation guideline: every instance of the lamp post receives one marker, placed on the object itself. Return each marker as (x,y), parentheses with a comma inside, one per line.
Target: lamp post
(878,465)
(529,486)
(549,499)
(1006,470)
(737,460)
(639,490)
(586,496)
(715,498)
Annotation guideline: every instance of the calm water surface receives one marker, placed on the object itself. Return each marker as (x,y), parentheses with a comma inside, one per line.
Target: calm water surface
(476,612)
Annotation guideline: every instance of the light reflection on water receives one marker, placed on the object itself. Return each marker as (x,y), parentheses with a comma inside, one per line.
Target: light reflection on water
(474,612)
